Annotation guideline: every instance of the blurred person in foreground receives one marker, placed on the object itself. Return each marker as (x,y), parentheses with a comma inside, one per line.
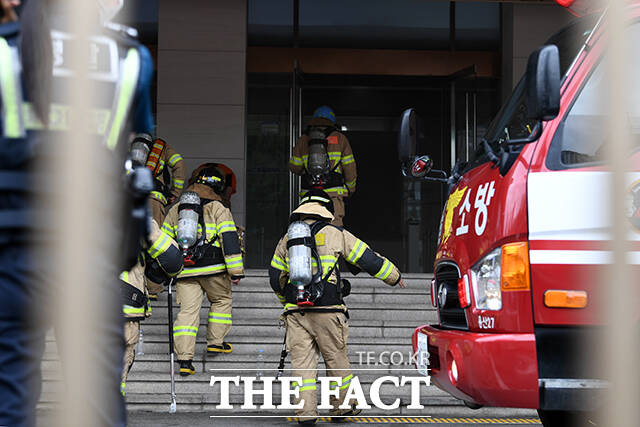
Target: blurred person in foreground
(35,115)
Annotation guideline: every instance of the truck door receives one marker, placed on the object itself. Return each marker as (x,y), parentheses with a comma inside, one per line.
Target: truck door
(568,199)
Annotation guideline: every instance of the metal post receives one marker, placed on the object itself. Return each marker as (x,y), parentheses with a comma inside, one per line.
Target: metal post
(453,124)
(466,126)
(475,121)
(173,406)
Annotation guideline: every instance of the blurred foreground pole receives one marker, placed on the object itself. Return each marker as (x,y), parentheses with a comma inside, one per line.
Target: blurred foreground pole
(620,286)
(80,219)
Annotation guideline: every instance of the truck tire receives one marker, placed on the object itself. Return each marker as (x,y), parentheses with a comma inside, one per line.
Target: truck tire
(472,405)
(559,418)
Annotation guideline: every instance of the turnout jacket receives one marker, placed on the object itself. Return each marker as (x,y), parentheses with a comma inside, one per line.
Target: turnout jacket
(173,160)
(332,243)
(221,232)
(340,157)
(160,247)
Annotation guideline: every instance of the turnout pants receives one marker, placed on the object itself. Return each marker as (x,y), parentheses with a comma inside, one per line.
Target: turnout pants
(131,338)
(308,336)
(189,296)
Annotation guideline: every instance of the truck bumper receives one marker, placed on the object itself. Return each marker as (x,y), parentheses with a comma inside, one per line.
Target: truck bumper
(486,369)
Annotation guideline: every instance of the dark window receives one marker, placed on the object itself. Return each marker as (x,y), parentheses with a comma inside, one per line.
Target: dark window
(512,122)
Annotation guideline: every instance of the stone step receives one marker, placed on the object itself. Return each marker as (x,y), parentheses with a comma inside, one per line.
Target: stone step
(271,329)
(382,319)
(236,393)
(361,283)
(416,313)
(247,348)
(267,298)
(159,362)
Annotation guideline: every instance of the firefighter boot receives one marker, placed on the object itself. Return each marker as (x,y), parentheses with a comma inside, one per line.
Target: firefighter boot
(224,348)
(186,368)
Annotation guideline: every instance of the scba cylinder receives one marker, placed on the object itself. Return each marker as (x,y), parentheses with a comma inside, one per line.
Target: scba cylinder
(188,219)
(300,270)
(139,152)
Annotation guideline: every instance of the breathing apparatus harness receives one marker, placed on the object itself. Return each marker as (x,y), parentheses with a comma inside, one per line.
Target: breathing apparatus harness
(319,291)
(313,294)
(148,153)
(319,173)
(202,252)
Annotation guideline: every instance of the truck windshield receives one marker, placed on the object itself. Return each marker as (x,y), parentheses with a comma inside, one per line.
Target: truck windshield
(511,121)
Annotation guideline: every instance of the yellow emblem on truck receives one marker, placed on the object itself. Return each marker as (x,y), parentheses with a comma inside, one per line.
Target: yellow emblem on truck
(454,200)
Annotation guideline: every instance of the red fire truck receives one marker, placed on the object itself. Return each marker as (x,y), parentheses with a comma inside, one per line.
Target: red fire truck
(523,235)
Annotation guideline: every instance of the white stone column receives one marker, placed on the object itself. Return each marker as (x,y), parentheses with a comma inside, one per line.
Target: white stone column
(525,27)
(202,46)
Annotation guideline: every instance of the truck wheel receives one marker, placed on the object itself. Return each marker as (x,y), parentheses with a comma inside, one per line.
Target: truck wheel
(471,405)
(559,418)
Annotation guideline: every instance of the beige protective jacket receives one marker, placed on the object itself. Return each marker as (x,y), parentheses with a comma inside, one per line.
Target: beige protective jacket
(340,157)
(220,231)
(332,243)
(172,159)
(160,242)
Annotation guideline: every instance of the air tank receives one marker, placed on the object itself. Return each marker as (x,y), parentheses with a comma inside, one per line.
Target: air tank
(188,219)
(318,162)
(300,270)
(139,153)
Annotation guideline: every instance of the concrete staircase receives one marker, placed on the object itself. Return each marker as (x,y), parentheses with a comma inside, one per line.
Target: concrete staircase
(382,320)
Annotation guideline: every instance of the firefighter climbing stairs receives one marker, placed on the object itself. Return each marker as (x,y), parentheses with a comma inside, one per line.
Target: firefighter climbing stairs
(382,320)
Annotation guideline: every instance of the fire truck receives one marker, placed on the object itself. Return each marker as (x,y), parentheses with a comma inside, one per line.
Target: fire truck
(523,235)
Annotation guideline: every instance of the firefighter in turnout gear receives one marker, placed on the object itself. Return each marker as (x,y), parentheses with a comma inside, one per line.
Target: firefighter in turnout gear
(324,159)
(167,166)
(315,313)
(161,261)
(168,170)
(207,234)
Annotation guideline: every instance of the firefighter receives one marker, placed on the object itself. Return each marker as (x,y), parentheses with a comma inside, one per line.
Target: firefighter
(324,159)
(206,232)
(33,103)
(315,313)
(156,155)
(169,172)
(161,261)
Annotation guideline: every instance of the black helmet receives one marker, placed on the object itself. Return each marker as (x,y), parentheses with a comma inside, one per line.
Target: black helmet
(318,196)
(212,177)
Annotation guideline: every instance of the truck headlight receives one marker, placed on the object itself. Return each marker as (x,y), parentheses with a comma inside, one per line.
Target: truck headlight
(486,282)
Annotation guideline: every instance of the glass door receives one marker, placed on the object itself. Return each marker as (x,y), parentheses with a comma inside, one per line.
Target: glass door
(463,125)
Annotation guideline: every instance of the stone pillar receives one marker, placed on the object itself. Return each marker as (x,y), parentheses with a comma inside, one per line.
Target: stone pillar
(525,27)
(202,46)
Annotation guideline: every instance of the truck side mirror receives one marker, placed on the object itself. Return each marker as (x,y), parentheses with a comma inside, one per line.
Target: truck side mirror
(407,136)
(543,83)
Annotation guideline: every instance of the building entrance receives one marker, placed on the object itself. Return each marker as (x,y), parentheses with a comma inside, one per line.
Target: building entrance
(394,216)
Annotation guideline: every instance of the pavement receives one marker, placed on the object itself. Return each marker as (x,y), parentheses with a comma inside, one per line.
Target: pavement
(155,419)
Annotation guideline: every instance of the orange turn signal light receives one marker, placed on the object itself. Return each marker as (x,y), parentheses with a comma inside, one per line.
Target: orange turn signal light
(514,267)
(565,299)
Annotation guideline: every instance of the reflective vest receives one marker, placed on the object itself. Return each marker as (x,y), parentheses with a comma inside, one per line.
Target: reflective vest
(117,65)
